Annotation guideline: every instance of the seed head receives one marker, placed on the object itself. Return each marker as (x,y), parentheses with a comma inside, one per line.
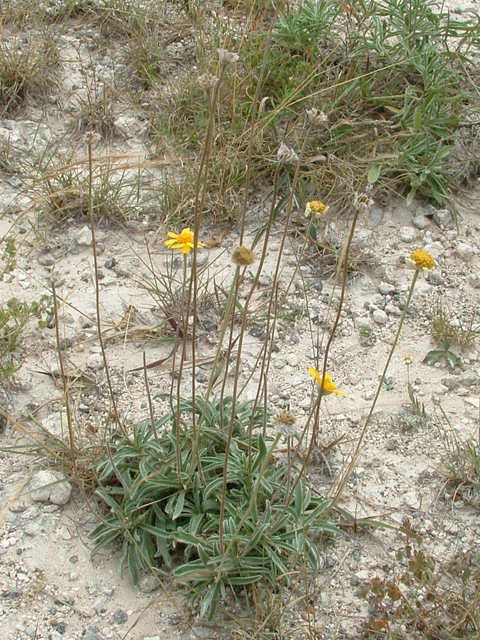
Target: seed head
(286,155)
(227,58)
(285,423)
(207,82)
(317,117)
(243,256)
(362,201)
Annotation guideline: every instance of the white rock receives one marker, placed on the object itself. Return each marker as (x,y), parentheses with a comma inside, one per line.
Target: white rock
(380,317)
(392,310)
(474,280)
(292,359)
(352,379)
(411,500)
(420,221)
(407,234)
(464,250)
(50,486)
(443,217)
(84,237)
(436,249)
(362,322)
(385,288)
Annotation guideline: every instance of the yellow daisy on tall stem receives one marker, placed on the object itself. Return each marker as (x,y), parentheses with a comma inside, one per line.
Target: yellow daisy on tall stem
(184,241)
(327,384)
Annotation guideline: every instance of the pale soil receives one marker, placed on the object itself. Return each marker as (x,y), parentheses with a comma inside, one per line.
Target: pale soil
(396,474)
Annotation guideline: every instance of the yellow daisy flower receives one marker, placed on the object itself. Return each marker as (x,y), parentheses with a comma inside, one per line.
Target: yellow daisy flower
(184,241)
(327,384)
(421,260)
(316,207)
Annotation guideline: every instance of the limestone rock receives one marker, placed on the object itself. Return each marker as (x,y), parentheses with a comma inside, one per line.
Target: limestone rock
(50,486)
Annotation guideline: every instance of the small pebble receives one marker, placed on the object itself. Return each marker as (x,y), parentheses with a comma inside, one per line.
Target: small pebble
(120,617)
(407,234)
(46,260)
(379,316)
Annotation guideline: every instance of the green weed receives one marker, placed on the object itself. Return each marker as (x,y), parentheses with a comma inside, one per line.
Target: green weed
(159,510)
(27,68)
(14,317)
(414,596)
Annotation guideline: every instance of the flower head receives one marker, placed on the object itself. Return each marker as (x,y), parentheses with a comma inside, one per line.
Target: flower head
(317,117)
(184,241)
(286,155)
(407,360)
(327,384)
(227,58)
(316,207)
(243,256)
(421,260)
(362,201)
(285,423)
(207,81)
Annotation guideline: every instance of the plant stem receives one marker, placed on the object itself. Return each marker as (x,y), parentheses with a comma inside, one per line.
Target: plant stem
(343,480)
(89,138)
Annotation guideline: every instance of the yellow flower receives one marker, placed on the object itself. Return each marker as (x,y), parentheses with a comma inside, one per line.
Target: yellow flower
(328,385)
(184,241)
(421,260)
(407,360)
(316,207)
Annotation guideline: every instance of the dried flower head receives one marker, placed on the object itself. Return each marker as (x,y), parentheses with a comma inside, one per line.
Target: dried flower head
(207,82)
(286,155)
(243,256)
(407,360)
(184,241)
(422,260)
(316,207)
(362,201)
(227,58)
(91,138)
(327,384)
(317,117)
(285,423)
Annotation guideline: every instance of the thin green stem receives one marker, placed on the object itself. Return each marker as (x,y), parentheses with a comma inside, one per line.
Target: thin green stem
(89,138)
(338,489)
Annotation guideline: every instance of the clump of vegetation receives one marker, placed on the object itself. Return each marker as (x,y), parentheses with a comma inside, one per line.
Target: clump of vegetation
(376,74)
(460,464)
(62,187)
(418,595)
(14,316)
(27,69)
(167,501)
(447,329)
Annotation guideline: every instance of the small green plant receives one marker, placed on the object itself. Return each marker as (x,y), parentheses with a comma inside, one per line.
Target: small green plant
(443,355)
(461,463)
(27,68)
(416,597)
(9,252)
(163,491)
(120,188)
(449,326)
(417,406)
(14,316)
